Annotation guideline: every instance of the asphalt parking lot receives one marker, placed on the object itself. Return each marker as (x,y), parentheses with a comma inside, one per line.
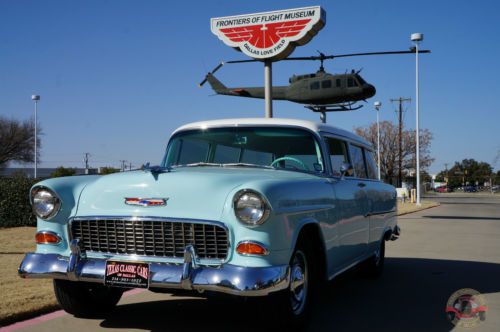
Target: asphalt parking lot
(443,249)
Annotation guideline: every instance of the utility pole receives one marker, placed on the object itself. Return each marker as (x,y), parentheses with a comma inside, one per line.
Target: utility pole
(86,157)
(400,100)
(123,165)
(130,166)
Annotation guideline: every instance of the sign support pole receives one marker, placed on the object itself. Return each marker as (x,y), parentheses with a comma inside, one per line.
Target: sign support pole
(268,87)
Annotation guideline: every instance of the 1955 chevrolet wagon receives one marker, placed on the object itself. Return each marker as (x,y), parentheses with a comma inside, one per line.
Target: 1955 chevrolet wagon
(248,207)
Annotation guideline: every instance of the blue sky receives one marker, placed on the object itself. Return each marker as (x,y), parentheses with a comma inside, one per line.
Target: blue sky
(117,77)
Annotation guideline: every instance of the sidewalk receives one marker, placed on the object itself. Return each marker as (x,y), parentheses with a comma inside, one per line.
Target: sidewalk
(412,207)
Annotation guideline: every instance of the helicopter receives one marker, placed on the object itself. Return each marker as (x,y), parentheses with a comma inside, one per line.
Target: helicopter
(320,91)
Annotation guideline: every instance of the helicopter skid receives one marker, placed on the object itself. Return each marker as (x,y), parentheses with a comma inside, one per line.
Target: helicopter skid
(334,108)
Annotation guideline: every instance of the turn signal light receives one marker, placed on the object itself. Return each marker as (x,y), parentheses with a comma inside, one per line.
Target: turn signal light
(47,238)
(251,248)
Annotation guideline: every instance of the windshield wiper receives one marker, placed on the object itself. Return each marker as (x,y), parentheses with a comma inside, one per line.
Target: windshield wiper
(246,165)
(199,164)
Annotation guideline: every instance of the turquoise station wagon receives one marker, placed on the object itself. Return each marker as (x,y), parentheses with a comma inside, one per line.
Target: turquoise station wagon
(247,207)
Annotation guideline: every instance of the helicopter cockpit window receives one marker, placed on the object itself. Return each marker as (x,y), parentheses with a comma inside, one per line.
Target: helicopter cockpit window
(315,85)
(360,80)
(351,82)
(326,84)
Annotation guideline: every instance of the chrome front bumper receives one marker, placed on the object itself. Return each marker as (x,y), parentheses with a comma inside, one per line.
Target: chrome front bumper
(226,278)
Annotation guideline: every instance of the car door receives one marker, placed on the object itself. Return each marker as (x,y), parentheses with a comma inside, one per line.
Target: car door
(349,220)
(354,232)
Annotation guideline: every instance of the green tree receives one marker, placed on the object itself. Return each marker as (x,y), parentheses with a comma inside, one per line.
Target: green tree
(467,171)
(62,171)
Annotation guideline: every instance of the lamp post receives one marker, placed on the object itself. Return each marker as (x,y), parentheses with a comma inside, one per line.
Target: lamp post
(377,105)
(35,98)
(417,38)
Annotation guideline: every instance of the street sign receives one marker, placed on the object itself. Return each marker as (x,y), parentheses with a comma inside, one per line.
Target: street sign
(270,35)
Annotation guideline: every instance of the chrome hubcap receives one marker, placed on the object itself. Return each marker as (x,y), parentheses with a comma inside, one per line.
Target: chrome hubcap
(298,282)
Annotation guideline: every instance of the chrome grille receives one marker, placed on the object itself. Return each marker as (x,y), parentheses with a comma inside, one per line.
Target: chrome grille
(163,238)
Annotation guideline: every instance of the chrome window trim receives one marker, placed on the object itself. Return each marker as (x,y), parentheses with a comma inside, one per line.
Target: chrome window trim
(164,219)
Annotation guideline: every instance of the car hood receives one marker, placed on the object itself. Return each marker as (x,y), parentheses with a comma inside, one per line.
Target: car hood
(191,192)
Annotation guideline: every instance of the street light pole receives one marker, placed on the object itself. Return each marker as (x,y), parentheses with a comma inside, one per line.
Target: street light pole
(35,98)
(377,105)
(417,38)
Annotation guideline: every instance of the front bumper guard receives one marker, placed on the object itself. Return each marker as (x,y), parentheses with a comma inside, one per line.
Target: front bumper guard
(226,278)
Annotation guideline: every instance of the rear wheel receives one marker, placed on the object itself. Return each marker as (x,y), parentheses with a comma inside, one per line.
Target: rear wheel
(375,265)
(86,299)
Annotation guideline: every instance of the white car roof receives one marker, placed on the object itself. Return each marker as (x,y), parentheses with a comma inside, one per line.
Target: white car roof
(248,122)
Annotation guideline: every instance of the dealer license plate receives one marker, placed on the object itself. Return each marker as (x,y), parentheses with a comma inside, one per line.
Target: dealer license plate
(127,274)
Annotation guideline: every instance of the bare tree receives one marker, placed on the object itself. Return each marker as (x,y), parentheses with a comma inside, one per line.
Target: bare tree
(389,148)
(17,141)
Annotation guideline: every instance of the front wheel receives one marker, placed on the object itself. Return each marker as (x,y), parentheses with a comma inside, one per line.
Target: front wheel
(84,299)
(294,303)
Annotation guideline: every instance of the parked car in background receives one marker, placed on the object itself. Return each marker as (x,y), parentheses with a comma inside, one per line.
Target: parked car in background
(495,189)
(441,189)
(470,189)
(247,207)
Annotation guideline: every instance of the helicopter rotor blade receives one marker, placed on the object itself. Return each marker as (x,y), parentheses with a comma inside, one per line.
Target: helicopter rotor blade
(333,56)
(412,51)
(219,66)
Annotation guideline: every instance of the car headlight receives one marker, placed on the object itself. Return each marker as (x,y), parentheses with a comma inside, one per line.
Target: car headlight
(45,202)
(250,208)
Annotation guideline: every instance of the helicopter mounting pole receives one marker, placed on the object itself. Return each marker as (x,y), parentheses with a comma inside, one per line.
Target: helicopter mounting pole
(268,88)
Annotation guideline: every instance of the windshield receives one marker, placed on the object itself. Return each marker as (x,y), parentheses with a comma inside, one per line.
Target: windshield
(284,148)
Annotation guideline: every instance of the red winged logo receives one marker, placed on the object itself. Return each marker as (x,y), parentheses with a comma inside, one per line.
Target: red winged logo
(265,35)
(270,35)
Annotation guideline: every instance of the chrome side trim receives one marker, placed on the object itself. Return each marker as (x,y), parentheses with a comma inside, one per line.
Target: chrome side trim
(379,213)
(229,279)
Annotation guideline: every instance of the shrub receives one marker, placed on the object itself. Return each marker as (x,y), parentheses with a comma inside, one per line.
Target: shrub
(15,208)
(62,171)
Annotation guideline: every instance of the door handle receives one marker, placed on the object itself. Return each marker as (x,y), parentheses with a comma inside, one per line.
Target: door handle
(361,184)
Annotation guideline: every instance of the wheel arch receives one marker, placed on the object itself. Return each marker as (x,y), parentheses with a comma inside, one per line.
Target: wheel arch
(311,231)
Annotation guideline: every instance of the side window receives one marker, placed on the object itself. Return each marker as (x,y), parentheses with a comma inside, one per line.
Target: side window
(350,82)
(315,85)
(326,84)
(338,83)
(338,154)
(358,161)
(371,165)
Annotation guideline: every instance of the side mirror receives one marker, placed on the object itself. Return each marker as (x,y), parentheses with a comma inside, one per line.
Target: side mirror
(346,169)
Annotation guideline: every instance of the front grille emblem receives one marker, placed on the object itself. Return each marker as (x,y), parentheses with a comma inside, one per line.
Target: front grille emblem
(146,202)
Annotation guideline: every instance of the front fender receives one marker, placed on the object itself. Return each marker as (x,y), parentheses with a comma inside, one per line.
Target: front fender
(68,189)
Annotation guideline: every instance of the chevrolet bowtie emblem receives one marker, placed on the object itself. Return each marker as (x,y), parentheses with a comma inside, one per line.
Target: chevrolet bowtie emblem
(146,201)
